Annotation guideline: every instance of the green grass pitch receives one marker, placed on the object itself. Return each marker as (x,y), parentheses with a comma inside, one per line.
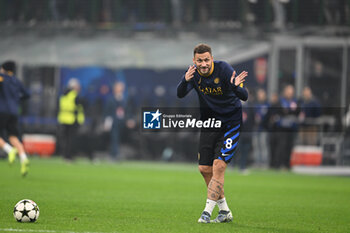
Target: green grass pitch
(165,197)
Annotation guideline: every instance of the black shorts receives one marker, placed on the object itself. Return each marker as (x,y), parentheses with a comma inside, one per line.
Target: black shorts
(8,125)
(218,144)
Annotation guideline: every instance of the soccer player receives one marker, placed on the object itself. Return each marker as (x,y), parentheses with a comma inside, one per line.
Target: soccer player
(11,92)
(219,93)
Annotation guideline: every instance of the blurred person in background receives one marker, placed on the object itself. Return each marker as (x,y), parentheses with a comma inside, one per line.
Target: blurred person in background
(11,93)
(220,94)
(309,105)
(176,13)
(310,110)
(288,126)
(260,139)
(245,144)
(115,112)
(196,11)
(70,117)
(334,11)
(346,119)
(272,123)
(279,11)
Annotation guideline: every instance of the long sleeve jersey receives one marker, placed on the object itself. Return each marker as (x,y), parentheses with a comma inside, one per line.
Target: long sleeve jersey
(11,92)
(218,98)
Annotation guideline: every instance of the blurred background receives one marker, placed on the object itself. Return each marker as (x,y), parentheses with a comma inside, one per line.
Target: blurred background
(296,53)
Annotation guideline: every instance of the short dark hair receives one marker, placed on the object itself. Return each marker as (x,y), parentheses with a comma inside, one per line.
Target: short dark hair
(202,48)
(9,66)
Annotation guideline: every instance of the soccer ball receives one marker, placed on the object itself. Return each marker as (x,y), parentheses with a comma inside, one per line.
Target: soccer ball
(26,211)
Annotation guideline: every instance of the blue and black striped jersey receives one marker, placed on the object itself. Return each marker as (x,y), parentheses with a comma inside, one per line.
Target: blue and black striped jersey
(218,98)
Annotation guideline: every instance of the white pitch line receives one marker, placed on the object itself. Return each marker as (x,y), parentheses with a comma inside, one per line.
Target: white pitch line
(26,230)
(42,231)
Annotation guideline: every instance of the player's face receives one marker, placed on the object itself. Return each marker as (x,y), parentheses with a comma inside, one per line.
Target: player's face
(203,62)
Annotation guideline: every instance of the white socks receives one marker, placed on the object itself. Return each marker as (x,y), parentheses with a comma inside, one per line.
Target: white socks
(23,157)
(222,204)
(210,206)
(7,148)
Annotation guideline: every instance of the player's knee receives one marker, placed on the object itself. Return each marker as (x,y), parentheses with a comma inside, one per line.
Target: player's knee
(219,167)
(206,170)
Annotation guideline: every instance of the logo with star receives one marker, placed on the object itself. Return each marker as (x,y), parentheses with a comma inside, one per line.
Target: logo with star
(151,120)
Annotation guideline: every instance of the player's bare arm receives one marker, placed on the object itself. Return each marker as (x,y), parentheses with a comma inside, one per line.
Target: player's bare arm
(239,79)
(190,73)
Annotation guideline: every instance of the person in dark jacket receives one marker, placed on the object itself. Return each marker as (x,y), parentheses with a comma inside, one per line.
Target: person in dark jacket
(310,110)
(271,122)
(288,124)
(245,146)
(115,117)
(260,138)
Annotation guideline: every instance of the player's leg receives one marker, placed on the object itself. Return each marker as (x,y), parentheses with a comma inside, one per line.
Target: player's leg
(13,133)
(225,150)
(216,191)
(205,159)
(207,173)
(19,146)
(4,124)
(22,154)
(10,150)
(216,184)
(2,143)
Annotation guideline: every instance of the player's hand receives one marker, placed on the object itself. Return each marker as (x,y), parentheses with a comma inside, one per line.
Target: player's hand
(239,79)
(190,73)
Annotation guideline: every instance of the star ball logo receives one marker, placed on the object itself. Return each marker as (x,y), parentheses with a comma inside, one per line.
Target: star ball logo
(174,119)
(151,120)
